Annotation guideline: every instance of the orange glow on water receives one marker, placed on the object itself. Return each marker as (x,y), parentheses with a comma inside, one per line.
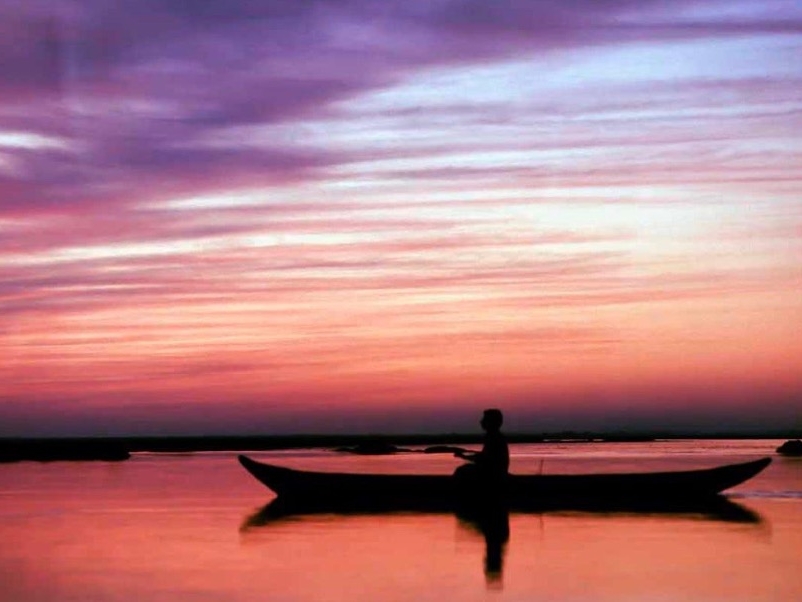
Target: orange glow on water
(158,527)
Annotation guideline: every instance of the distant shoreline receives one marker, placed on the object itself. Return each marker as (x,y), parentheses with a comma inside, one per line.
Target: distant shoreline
(120,448)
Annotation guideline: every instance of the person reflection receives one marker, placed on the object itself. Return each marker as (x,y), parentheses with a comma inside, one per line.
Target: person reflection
(494,525)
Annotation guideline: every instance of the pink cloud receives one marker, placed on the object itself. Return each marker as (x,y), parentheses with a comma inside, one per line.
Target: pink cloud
(431,204)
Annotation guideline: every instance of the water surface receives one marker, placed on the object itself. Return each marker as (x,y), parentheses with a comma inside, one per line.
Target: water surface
(181,527)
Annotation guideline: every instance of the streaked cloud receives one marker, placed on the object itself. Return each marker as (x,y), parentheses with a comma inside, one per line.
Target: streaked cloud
(398,202)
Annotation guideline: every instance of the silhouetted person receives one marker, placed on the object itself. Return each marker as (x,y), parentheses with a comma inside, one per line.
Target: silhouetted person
(483,479)
(494,459)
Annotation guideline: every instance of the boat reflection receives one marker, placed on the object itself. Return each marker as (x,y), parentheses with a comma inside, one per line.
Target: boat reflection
(717,508)
(492,522)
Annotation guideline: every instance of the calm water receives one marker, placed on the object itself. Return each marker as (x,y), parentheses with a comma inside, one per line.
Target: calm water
(173,527)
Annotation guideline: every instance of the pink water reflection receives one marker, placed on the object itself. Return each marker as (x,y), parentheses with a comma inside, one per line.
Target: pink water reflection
(168,528)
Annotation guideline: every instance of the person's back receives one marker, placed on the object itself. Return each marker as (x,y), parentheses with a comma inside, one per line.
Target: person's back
(494,459)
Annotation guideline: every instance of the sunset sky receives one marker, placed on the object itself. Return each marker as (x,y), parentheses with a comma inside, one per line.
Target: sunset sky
(382,216)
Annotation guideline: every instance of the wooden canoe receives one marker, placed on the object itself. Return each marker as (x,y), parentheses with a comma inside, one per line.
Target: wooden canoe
(373,491)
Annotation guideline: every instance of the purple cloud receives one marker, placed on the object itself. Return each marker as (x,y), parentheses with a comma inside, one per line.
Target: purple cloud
(135,85)
(412,173)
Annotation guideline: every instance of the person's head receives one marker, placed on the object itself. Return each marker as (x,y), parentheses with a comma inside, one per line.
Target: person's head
(492,420)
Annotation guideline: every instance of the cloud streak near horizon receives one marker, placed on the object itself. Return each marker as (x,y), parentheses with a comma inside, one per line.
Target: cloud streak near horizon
(358,207)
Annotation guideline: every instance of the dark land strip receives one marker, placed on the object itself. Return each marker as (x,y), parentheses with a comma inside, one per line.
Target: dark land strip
(120,448)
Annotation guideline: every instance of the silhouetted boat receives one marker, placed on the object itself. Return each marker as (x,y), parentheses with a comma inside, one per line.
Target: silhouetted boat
(655,490)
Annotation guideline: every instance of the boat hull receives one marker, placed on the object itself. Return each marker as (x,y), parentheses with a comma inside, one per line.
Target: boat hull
(377,491)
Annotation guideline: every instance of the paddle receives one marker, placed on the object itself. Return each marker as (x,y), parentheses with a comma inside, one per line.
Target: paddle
(446,449)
